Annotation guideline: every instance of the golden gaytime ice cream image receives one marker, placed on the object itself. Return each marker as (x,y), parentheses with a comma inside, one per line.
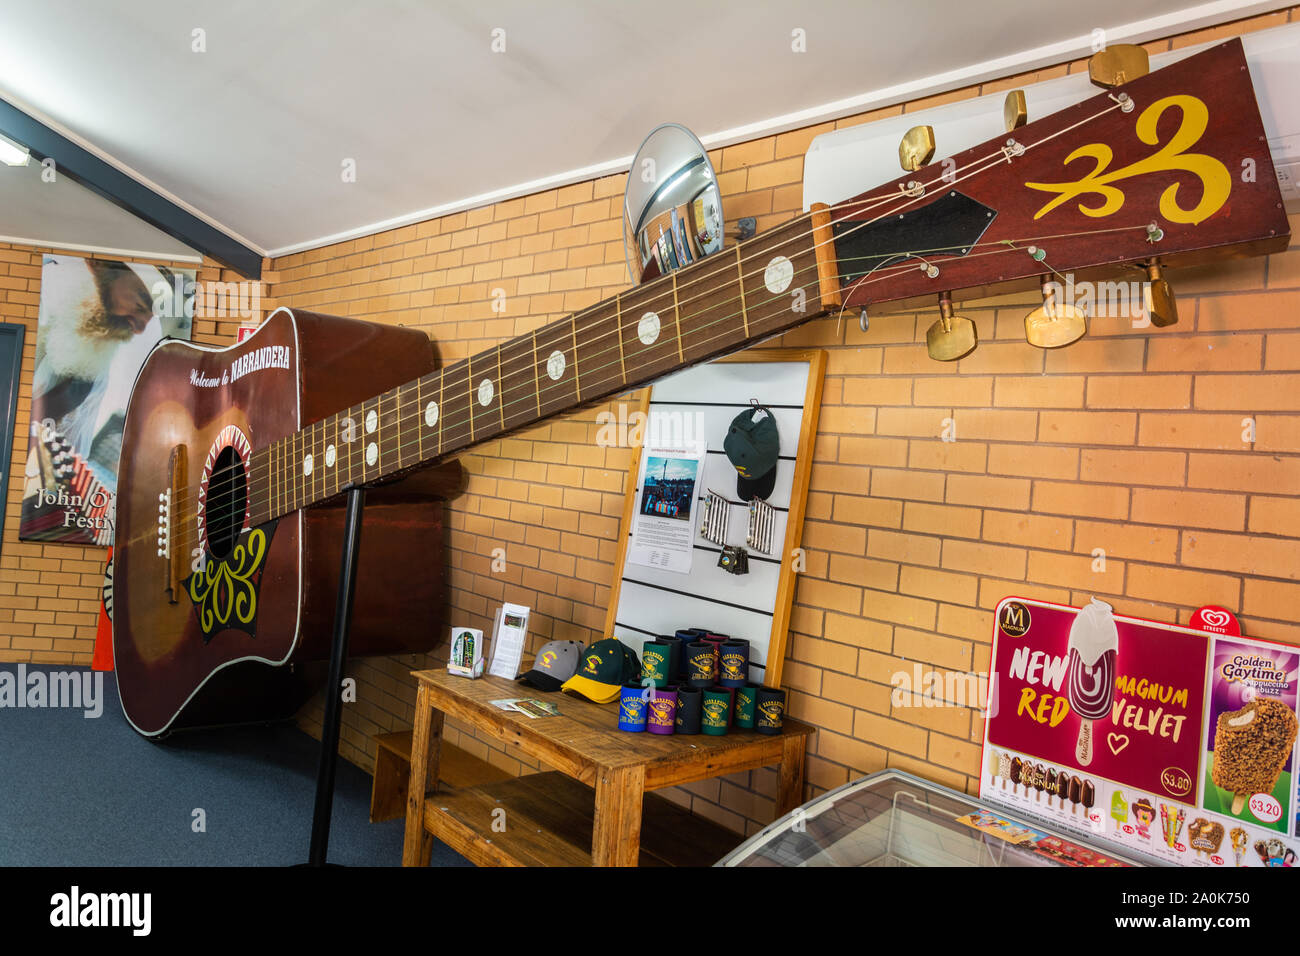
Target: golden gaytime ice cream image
(1251,745)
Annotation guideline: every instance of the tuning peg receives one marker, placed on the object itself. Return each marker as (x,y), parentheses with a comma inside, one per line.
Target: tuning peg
(917,148)
(1118,64)
(1161,306)
(1015,113)
(1054,324)
(952,336)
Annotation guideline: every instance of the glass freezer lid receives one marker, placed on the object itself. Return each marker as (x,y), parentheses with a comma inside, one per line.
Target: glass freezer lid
(891,818)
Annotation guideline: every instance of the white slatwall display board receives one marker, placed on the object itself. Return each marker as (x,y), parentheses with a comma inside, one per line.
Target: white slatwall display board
(653,601)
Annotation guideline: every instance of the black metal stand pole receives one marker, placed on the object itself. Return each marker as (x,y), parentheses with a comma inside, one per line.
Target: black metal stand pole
(329,736)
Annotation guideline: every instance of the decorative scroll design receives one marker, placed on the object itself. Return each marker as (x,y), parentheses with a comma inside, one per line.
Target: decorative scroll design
(224,590)
(1216,182)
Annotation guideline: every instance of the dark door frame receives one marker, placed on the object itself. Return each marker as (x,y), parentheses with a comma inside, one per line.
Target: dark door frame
(9,414)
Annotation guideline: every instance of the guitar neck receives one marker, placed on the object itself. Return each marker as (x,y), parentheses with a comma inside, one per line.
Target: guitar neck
(755,290)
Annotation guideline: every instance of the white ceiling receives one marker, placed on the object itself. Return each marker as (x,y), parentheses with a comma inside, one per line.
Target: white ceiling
(251,134)
(36,211)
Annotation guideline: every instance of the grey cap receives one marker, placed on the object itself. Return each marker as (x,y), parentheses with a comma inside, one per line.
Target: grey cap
(556,662)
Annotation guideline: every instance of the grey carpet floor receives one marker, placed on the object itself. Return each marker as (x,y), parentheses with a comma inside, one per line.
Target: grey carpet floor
(92,792)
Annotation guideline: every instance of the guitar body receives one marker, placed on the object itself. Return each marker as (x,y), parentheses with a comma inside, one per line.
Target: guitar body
(227,626)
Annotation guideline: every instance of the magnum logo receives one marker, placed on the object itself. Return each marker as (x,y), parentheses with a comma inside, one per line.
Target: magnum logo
(1214,180)
(1014,619)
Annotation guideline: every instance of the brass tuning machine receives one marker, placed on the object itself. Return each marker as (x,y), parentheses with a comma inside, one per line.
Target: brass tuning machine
(1054,324)
(951,336)
(917,148)
(1015,113)
(1118,64)
(1160,302)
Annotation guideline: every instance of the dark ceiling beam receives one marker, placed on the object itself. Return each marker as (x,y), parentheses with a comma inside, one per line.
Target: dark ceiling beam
(89,170)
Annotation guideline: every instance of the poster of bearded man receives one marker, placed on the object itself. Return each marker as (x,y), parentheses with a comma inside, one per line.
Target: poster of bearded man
(98,320)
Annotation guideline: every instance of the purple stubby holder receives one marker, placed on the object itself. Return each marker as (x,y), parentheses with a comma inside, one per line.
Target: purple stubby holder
(661,710)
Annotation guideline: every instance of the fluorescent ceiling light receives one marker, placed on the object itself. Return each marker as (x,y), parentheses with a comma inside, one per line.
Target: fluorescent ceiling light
(11,154)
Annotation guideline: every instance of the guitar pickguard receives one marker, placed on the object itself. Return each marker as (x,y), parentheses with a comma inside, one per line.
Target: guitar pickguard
(225,591)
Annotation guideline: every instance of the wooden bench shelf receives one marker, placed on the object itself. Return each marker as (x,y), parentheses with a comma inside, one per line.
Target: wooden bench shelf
(392,773)
(597,808)
(548,821)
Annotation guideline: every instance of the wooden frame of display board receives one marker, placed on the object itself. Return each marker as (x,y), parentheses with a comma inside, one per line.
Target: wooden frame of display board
(790,385)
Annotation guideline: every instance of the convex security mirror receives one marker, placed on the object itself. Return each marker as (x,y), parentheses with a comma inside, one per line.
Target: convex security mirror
(672,210)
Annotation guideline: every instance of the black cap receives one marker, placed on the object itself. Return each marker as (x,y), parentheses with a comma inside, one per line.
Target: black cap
(753,446)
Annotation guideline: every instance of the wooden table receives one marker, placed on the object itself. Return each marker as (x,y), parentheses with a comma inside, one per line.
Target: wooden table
(585,746)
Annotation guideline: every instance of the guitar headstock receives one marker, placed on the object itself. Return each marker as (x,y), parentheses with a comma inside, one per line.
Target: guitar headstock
(1168,168)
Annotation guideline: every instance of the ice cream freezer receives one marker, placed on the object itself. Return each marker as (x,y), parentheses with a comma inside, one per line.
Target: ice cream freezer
(891,818)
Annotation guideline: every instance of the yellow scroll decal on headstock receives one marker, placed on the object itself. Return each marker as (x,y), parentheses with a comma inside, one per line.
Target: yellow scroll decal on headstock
(1216,182)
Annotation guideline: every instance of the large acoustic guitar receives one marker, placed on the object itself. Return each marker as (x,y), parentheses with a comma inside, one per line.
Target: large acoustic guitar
(234,460)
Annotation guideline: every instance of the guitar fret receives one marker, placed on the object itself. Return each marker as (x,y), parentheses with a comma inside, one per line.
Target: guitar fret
(390,426)
(650,351)
(618,334)
(350,439)
(273,479)
(556,368)
(368,446)
(469,395)
(396,431)
(740,274)
(677,318)
(317,461)
(486,394)
(456,409)
(406,444)
(781,286)
(577,378)
(537,376)
(599,352)
(501,397)
(441,411)
(419,418)
(519,375)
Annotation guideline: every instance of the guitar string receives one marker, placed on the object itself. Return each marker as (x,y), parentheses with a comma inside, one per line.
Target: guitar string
(556,328)
(856,205)
(404,425)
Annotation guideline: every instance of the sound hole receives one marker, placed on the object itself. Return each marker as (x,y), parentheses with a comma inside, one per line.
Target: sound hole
(227,501)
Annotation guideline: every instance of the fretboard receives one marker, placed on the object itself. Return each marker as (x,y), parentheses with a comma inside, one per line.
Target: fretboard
(742,295)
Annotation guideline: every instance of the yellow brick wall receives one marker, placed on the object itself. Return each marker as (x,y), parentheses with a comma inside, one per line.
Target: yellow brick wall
(49,593)
(1128,441)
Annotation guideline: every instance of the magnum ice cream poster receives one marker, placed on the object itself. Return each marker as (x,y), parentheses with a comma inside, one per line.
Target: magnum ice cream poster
(1106,696)
(1250,733)
(98,320)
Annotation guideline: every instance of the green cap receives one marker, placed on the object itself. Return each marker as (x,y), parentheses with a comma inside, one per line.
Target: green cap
(753,447)
(606,666)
